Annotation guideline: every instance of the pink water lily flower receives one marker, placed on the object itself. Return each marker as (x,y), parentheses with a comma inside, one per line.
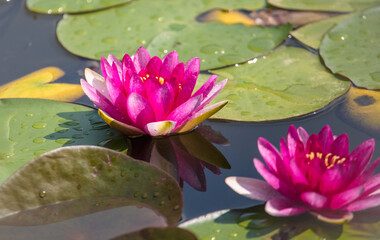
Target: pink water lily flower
(314,173)
(144,95)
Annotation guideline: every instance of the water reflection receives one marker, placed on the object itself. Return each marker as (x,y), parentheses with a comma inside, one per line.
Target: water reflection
(184,156)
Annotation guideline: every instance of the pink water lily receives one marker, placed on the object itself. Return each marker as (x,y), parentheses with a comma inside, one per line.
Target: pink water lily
(144,95)
(314,173)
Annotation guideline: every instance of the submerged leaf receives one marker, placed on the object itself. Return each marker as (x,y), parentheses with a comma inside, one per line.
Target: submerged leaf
(287,83)
(30,127)
(36,85)
(351,49)
(96,178)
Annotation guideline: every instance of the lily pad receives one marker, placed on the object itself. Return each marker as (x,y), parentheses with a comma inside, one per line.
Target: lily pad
(30,127)
(351,49)
(93,174)
(325,5)
(287,83)
(37,85)
(164,27)
(70,6)
(254,223)
(312,34)
(159,234)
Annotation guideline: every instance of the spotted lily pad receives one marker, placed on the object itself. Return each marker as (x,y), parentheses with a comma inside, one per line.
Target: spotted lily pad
(70,6)
(37,85)
(254,223)
(92,174)
(312,34)
(325,5)
(30,127)
(351,49)
(287,83)
(167,26)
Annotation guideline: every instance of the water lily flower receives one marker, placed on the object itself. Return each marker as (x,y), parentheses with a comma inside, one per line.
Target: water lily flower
(144,95)
(315,174)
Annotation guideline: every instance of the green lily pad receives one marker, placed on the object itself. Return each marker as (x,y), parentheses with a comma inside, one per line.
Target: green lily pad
(287,83)
(325,5)
(30,127)
(351,49)
(159,234)
(96,178)
(312,34)
(167,26)
(70,6)
(254,223)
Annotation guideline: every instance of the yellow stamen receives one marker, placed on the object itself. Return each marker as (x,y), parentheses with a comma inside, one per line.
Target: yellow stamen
(310,156)
(319,155)
(329,160)
(180,86)
(161,80)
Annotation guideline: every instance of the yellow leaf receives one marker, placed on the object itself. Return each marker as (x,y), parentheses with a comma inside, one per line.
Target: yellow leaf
(36,85)
(226,17)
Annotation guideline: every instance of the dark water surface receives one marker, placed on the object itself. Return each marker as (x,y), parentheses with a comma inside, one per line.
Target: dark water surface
(28,43)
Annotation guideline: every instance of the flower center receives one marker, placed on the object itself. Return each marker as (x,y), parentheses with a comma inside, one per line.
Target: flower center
(329,159)
(161,80)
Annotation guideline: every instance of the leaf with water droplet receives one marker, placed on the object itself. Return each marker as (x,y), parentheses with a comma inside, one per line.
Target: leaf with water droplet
(351,49)
(312,34)
(37,85)
(168,26)
(325,5)
(49,184)
(70,6)
(30,127)
(289,82)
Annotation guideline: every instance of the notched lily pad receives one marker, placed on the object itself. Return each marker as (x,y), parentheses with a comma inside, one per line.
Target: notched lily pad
(287,83)
(30,127)
(70,6)
(351,49)
(87,179)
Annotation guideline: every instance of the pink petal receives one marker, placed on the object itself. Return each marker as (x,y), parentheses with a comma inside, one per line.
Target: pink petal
(279,207)
(161,99)
(117,96)
(281,186)
(184,111)
(112,60)
(126,129)
(106,68)
(269,153)
(141,59)
(340,146)
(136,85)
(169,63)
(192,68)
(313,144)
(213,92)
(285,155)
(332,181)
(97,81)
(303,135)
(139,110)
(176,78)
(154,67)
(368,172)
(128,68)
(341,199)
(326,137)
(292,139)
(372,184)
(252,188)
(364,203)
(314,200)
(298,177)
(99,100)
(206,87)
(363,154)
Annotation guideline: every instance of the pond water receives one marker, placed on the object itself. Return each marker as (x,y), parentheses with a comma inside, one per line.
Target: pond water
(28,43)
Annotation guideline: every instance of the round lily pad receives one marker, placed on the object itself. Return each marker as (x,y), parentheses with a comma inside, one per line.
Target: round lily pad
(30,127)
(312,34)
(325,5)
(70,6)
(351,49)
(90,175)
(287,83)
(167,26)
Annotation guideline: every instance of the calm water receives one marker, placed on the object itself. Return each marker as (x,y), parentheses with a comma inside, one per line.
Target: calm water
(28,43)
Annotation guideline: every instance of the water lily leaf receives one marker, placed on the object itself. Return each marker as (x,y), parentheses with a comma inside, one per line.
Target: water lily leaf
(30,127)
(87,172)
(226,17)
(100,225)
(351,49)
(287,83)
(362,108)
(70,6)
(35,85)
(159,234)
(254,223)
(312,34)
(168,26)
(325,5)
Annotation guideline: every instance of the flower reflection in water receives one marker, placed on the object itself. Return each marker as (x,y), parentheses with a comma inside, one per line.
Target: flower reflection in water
(184,156)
